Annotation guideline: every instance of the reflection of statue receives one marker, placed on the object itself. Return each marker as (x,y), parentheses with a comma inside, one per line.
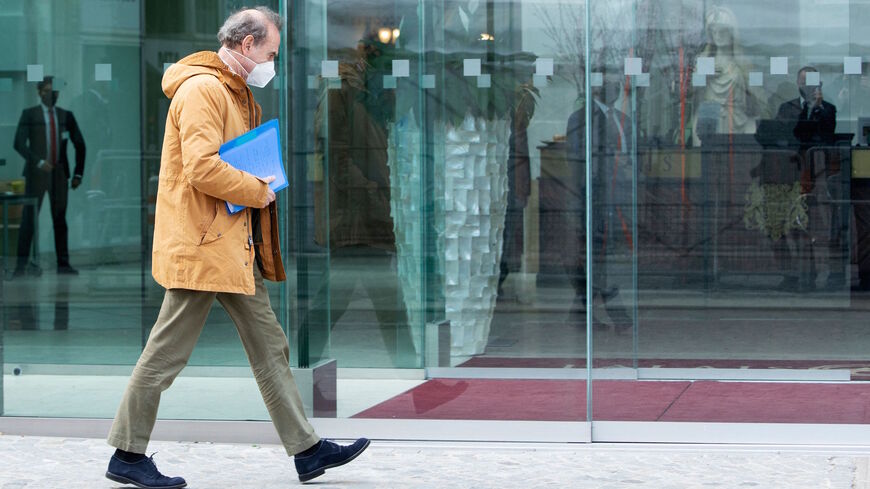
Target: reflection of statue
(727,88)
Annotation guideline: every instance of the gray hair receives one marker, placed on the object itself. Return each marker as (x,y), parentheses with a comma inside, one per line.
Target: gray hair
(246,22)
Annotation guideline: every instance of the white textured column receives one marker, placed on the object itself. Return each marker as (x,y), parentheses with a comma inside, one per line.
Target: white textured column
(469,211)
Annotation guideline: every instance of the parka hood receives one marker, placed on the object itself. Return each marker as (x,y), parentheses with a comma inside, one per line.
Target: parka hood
(201,63)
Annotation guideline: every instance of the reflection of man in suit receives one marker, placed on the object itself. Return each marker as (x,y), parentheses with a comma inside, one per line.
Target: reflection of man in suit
(810,106)
(813,121)
(41,138)
(611,190)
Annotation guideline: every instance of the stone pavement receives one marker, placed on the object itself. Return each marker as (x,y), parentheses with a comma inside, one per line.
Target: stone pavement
(69,463)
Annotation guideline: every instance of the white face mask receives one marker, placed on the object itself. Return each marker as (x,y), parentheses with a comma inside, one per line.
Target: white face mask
(261,75)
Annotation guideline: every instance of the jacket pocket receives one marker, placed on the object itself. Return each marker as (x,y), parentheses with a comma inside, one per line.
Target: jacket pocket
(215,229)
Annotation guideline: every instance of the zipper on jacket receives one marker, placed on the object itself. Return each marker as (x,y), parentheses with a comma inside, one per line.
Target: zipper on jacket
(250,110)
(250,242)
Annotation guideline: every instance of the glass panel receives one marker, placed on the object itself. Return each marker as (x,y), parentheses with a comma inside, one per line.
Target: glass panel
(464,118)
(67,332)
(73,271)
(476,190)
(356,70)
(729,229)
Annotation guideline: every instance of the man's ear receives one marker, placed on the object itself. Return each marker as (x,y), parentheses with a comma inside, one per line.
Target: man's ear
(248,42)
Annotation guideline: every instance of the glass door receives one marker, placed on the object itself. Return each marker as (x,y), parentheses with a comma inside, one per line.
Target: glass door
(727,210)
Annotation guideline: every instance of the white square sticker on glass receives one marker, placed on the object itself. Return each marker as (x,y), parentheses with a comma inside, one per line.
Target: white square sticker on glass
(756,78)
(401,68)
(5,84)
(641,80)
(633,66)
(852,65)
(596,79)
(35,73)
(539,81)
(813,78)
(389,81)
(471,67)
(544,66)
(484,81)
(699,80)
(329,68)
(706,66)
(102,72)
(428,81)
(166,66)
(779,65)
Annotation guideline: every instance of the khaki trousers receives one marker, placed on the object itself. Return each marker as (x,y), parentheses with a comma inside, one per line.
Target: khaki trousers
(182,317)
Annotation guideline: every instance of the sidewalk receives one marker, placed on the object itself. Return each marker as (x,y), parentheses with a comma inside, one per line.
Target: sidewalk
(70,463)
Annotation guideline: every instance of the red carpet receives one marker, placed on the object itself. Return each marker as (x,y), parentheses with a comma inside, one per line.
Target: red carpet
(860,368)
(768,402)
(624,400)
(550,400)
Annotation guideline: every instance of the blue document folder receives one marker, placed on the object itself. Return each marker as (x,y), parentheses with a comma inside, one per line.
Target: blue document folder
(257,152)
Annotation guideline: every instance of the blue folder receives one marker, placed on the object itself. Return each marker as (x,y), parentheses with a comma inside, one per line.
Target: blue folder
(257,152)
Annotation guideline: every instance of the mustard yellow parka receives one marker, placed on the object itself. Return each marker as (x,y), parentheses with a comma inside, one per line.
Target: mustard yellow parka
(197,244)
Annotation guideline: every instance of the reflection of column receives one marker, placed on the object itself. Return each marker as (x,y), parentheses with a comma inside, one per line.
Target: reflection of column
(406,197)
(860,188)
(20,310)
(532,243)
(560,210)
(2,335)
(61,304)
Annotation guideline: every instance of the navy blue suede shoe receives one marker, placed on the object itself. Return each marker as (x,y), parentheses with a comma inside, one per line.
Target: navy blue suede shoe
(327,456)
(142,474)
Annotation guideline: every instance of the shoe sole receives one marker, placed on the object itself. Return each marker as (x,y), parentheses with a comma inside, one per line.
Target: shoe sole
(124,480)
(317,473)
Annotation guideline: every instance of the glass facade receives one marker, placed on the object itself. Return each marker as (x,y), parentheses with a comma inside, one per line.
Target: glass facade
(632,210)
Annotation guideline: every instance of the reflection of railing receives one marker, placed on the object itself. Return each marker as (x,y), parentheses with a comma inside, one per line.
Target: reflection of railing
(115,220)
(121,198)
(692,206)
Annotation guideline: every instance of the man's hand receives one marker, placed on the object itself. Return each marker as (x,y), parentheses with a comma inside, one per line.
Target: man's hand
(45,166)
(270,195)
(76,181)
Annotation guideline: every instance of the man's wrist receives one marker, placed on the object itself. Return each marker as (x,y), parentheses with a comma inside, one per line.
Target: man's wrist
(40,163)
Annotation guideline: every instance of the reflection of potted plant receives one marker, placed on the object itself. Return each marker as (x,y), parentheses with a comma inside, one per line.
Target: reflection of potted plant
(482,99)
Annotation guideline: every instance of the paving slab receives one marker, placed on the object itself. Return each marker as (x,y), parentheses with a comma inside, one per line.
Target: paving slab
(70,463)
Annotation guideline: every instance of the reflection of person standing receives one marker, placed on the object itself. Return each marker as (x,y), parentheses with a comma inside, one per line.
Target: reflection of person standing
(41,138)
(727,88)
(202,253)
(788,180)
(612,175)
(352,209)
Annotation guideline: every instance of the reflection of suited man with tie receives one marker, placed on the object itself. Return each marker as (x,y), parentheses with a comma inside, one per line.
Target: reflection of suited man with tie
(611,189)
(41,138)
(814,121)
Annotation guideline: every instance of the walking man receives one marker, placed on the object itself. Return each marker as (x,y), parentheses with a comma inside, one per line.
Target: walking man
(202,253)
